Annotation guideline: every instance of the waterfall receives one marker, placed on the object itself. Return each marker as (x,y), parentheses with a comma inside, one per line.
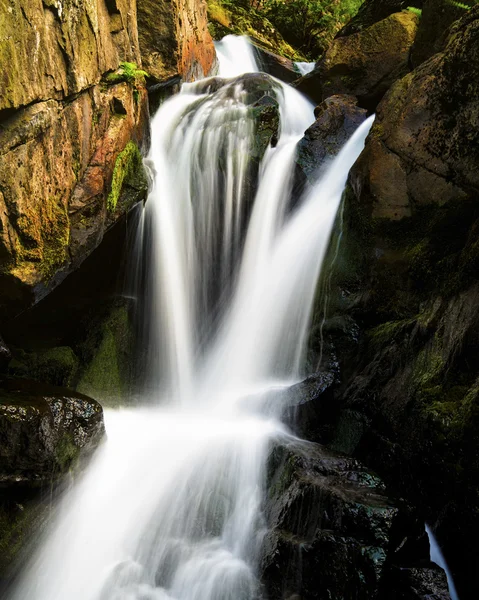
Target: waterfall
(305,67)
(170,508)
(437,557)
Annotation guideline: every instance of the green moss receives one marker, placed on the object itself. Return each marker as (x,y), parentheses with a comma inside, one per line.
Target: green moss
(128,171)
(128,72)
(106,356)
(18,525)
(57,365)
(66,452)
(416,11)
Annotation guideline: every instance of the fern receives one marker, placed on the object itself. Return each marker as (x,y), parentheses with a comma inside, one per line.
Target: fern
(128,72)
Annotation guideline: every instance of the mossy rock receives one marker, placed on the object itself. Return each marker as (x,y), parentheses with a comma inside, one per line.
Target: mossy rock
(106,356)
(57,366)
(129,178)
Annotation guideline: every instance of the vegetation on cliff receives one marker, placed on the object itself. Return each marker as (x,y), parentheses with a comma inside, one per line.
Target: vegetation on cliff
(296,29)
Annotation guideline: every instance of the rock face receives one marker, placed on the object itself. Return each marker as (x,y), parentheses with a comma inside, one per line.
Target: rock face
(69,137)
(437,17)
(334,533)
(409,273)
(174,39)
(364,64)
(53,49)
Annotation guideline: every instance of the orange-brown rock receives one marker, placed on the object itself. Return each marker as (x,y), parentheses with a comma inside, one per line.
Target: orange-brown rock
(174,39)
(50,49)
(56,165)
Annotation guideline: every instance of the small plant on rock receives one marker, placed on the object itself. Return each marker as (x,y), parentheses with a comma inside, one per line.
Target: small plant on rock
(128,72)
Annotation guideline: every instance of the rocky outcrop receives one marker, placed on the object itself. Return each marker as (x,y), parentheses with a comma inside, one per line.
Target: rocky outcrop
(372,11)
(364,64)
(44,432)
(54,49)
(278,66)
(408,278)
(437,16)
(69,137)
(174,39)
(43,429)
(334,533)
(336,120)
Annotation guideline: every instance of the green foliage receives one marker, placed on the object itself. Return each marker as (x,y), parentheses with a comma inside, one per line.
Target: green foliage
(462,5)
(310,25)
(416,11)
(128,72)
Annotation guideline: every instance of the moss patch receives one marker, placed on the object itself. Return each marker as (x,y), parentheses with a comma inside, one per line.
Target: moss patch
(128,171)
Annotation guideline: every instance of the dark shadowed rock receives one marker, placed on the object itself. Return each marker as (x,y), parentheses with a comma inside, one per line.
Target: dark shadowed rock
(334,532)
(43,430)
(437,17)
(410,407)
(337,118)
(278,66)
(5,355)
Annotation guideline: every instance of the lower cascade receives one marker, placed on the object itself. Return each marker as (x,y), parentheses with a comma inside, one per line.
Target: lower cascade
(226,265)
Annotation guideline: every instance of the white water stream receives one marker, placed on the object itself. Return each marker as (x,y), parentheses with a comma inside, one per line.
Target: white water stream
(170,507)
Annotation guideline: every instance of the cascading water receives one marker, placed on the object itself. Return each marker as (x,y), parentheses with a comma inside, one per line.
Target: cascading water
(171,506)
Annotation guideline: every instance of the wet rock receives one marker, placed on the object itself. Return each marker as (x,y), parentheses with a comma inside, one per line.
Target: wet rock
(278,66)
(307,405)
(417,583)
(43,431)
(364,64)
(174,39)
(335,533)
(336,120)
(330,525)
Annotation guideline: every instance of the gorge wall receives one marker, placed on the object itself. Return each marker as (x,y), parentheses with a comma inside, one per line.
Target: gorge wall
(73,114)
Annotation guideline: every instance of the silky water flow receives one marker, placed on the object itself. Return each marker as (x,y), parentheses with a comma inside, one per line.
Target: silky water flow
(170,507)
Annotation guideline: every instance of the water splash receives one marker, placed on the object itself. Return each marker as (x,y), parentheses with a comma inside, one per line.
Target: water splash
(171,507)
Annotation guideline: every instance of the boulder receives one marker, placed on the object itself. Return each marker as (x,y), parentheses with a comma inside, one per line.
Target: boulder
(423,149)
(333,532)
(372,11)
(437,17)
(174,39)
(364,64)
(275,65)
(336,120)
(43,431)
